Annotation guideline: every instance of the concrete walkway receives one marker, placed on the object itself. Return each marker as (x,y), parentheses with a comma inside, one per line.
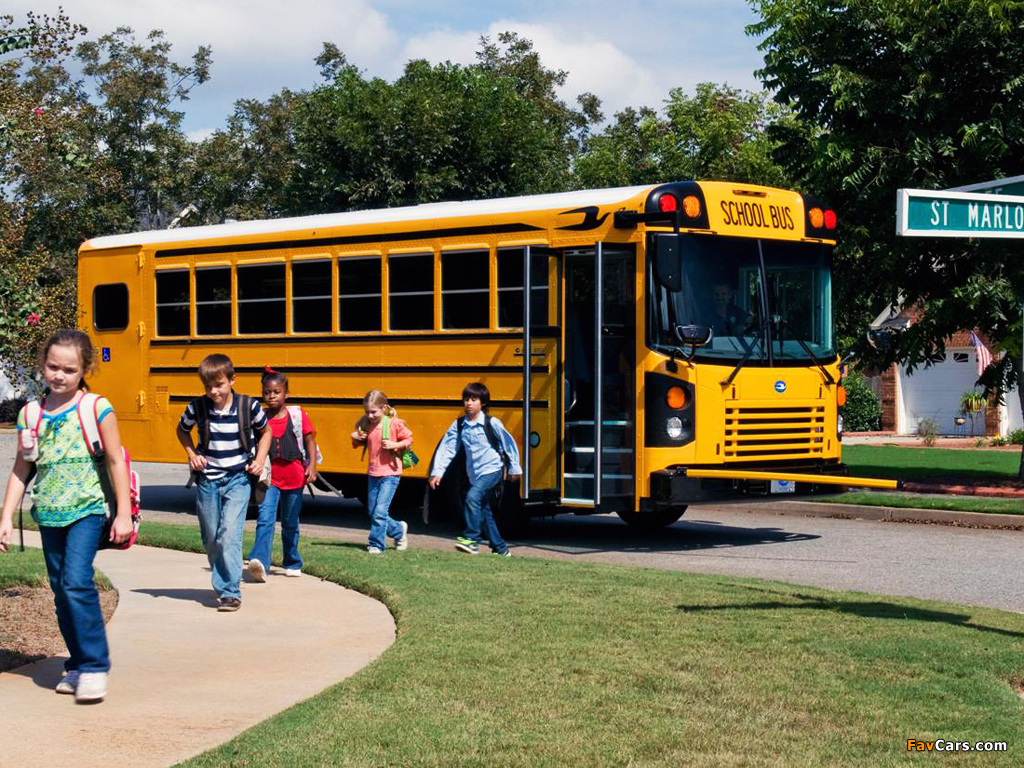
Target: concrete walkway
(186,678)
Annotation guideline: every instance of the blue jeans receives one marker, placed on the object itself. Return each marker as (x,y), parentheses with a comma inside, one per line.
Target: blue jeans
(379,493)
(69,553)
(291,503)
(221,506)
(480,514)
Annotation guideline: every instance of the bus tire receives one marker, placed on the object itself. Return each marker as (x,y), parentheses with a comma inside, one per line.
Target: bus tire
(652,521)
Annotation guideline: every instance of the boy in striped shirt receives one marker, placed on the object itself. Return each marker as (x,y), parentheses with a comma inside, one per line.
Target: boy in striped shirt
(221,464)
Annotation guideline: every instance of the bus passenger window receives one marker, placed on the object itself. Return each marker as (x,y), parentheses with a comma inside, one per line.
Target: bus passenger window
(510,288)
(359,293)
(465,290)
(172,303)
(213,301)
(261,299)
(311,296)
(411,292)
(110,307)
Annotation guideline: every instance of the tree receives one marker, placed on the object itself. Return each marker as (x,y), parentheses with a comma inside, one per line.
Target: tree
(137,85)
(719,133)
(907,93)
(439,132)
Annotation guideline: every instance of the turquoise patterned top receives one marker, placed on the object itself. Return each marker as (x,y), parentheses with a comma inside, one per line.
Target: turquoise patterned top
(67,485)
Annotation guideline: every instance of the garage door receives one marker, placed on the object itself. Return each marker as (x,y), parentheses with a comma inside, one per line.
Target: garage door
(934,393)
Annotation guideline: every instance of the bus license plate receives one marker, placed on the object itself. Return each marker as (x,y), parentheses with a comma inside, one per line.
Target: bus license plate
(783,486)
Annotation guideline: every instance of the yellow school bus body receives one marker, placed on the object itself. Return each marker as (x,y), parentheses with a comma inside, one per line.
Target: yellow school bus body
(150,375)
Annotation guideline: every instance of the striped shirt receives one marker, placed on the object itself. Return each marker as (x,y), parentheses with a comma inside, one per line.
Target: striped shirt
(225,453)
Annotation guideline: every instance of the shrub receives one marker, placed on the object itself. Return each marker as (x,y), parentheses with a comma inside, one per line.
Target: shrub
(1016,437)
(863,411)
(9,409)
(927,430)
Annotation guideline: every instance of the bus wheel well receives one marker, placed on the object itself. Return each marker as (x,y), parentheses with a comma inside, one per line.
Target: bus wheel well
(652,521)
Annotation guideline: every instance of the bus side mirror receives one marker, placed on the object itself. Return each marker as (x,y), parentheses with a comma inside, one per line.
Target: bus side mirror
(668,261)
(694,335)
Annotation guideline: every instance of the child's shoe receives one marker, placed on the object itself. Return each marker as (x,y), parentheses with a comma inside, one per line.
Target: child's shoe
(68,683)
(506,553)
(92,687)
(293,572)
(257,571)
(374,551)
(468,546)
(402,542)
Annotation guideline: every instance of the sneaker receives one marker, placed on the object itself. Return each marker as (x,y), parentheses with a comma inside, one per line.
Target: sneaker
(506,553)
(374,551)
(467,545)
(293,572)
(257,571)
(402,542)
(225,604)
(68,683)
(92,687)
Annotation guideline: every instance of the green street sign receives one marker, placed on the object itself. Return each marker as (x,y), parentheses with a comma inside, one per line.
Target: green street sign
(929,213)
(1014,185)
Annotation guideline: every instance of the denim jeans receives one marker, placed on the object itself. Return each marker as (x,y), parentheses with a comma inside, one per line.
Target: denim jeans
(290,502)
(221,506)
(480,514)
(69,553)
(379,492)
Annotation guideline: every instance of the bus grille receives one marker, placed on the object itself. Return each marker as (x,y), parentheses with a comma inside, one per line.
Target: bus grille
(753,432)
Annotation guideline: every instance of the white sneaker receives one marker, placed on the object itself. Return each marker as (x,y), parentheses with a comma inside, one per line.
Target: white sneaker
(374,551)
(257,571)
(403,540)
(92,687)
(293,572)
(68,683)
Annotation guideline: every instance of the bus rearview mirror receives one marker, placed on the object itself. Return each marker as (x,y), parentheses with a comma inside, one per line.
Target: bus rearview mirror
(668,261)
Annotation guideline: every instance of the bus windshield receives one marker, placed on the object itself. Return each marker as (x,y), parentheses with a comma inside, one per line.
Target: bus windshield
(767,301)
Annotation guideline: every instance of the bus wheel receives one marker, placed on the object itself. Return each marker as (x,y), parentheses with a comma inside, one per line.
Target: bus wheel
(652,521)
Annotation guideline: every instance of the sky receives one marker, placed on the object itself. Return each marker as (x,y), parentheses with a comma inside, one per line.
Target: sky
(628,54)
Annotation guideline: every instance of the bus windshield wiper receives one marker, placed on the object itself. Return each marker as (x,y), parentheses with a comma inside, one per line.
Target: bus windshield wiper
(824,371)
(746,355)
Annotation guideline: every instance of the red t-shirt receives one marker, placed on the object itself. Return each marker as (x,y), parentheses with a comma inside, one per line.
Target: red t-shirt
(284,474)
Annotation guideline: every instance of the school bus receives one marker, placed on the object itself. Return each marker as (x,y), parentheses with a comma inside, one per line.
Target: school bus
(649,347)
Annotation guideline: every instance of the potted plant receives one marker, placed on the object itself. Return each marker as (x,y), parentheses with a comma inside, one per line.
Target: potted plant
(971,401)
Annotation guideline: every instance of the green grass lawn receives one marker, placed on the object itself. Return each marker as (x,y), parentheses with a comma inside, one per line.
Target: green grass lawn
(22,568)
(527,661)
(930,465)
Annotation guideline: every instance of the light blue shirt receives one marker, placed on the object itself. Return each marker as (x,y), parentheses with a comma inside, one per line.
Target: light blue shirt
(481,458)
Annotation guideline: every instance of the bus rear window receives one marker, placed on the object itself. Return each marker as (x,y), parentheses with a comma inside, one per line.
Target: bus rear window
(110,307)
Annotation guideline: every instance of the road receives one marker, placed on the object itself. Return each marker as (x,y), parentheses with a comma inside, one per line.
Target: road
(764,540)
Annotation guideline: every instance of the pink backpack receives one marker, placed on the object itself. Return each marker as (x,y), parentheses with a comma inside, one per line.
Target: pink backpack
(89,419)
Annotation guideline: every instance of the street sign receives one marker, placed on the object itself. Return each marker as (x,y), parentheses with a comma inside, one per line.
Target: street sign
(1013,185)
(929,213)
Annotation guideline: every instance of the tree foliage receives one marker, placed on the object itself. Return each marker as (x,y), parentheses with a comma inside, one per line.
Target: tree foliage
(907,93)
(718,133)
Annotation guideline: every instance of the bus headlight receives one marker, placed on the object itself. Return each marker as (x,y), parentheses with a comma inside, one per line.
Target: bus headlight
(674,427)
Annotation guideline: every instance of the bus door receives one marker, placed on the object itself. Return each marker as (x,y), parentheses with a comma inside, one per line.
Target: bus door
(540,378)
(598,377)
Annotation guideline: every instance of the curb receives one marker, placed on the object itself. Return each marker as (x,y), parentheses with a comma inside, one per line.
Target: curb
(894,514)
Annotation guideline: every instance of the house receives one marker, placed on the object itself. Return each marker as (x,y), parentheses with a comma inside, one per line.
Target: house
(934,392)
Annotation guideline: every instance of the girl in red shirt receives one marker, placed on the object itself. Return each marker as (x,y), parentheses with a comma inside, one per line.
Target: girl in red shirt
(384,467)
(293,465)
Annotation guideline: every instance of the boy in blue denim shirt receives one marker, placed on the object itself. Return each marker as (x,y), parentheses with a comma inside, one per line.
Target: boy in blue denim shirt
(490,452)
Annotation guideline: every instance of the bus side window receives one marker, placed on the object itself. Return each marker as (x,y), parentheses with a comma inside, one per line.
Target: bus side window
(311,296)
(213,301)
(110,307)
(411,292)
(359,294)
(465,290)
(510,288)
(173,302)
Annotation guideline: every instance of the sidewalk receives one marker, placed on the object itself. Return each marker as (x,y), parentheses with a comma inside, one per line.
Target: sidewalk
(186,678)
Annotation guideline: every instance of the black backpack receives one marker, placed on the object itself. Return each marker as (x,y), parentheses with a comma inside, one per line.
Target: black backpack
(201,408)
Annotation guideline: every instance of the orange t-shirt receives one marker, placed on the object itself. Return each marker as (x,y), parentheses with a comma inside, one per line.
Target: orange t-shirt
(382,462)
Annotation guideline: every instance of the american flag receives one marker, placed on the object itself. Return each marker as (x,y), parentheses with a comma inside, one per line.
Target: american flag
(984,357)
